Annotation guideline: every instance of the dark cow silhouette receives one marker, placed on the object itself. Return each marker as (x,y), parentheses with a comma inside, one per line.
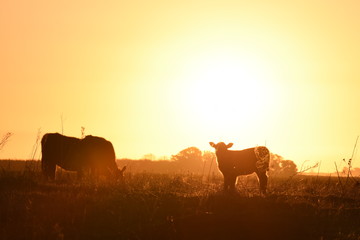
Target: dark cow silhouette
(242,162)
(91,154)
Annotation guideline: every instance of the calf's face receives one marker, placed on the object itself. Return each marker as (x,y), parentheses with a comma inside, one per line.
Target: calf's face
(219,147)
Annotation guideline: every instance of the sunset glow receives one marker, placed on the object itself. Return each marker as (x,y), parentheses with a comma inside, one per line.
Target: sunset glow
(159,76)
(226,92)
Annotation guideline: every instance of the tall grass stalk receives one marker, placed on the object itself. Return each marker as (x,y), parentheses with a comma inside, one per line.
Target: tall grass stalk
(349,163)
(36,145)
(5,139)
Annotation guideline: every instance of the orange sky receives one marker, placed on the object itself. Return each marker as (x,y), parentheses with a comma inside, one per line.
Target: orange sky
(160,76)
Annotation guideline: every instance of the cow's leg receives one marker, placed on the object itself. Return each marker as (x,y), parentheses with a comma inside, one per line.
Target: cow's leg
(263,179)
(48,169)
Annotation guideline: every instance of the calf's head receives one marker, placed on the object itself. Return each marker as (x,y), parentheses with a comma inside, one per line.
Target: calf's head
(220,147)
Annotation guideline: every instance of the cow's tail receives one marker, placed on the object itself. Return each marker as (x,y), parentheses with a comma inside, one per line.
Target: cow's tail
(263,158)
(44,159)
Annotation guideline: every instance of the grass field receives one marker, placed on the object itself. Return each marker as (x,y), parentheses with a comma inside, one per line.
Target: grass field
(183,206)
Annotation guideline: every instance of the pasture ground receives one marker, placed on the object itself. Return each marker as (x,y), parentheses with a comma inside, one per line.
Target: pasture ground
(182,206)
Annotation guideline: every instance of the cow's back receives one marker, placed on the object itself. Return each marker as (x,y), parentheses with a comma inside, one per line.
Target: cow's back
(244,161)
(240,162)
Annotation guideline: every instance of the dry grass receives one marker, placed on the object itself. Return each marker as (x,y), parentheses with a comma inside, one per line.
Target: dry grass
(158,206)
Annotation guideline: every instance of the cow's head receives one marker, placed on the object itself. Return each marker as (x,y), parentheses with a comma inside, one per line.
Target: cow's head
(117,174)
(219,147)
(120,173)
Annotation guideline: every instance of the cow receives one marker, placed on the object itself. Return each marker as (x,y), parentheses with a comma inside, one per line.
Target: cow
(90,154)
(242,162)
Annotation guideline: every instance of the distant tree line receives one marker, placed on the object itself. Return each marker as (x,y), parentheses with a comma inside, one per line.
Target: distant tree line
(189,160)
(281,167)
(353,171)
(193,160)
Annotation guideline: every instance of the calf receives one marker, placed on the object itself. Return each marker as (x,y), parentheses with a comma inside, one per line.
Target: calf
(243,162)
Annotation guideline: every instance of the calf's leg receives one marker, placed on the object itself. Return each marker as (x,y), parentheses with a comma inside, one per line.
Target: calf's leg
(229,182)
(263,179)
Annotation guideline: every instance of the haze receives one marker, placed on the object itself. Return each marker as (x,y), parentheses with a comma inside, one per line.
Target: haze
(159,76)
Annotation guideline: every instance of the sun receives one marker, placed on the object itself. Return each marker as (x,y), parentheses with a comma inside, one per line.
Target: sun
(227,90)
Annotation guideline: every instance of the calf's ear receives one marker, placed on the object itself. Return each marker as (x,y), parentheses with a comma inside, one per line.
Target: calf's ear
(229,145)
(212,144)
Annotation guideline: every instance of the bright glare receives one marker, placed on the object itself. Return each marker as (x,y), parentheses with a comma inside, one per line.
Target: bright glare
(225,90)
